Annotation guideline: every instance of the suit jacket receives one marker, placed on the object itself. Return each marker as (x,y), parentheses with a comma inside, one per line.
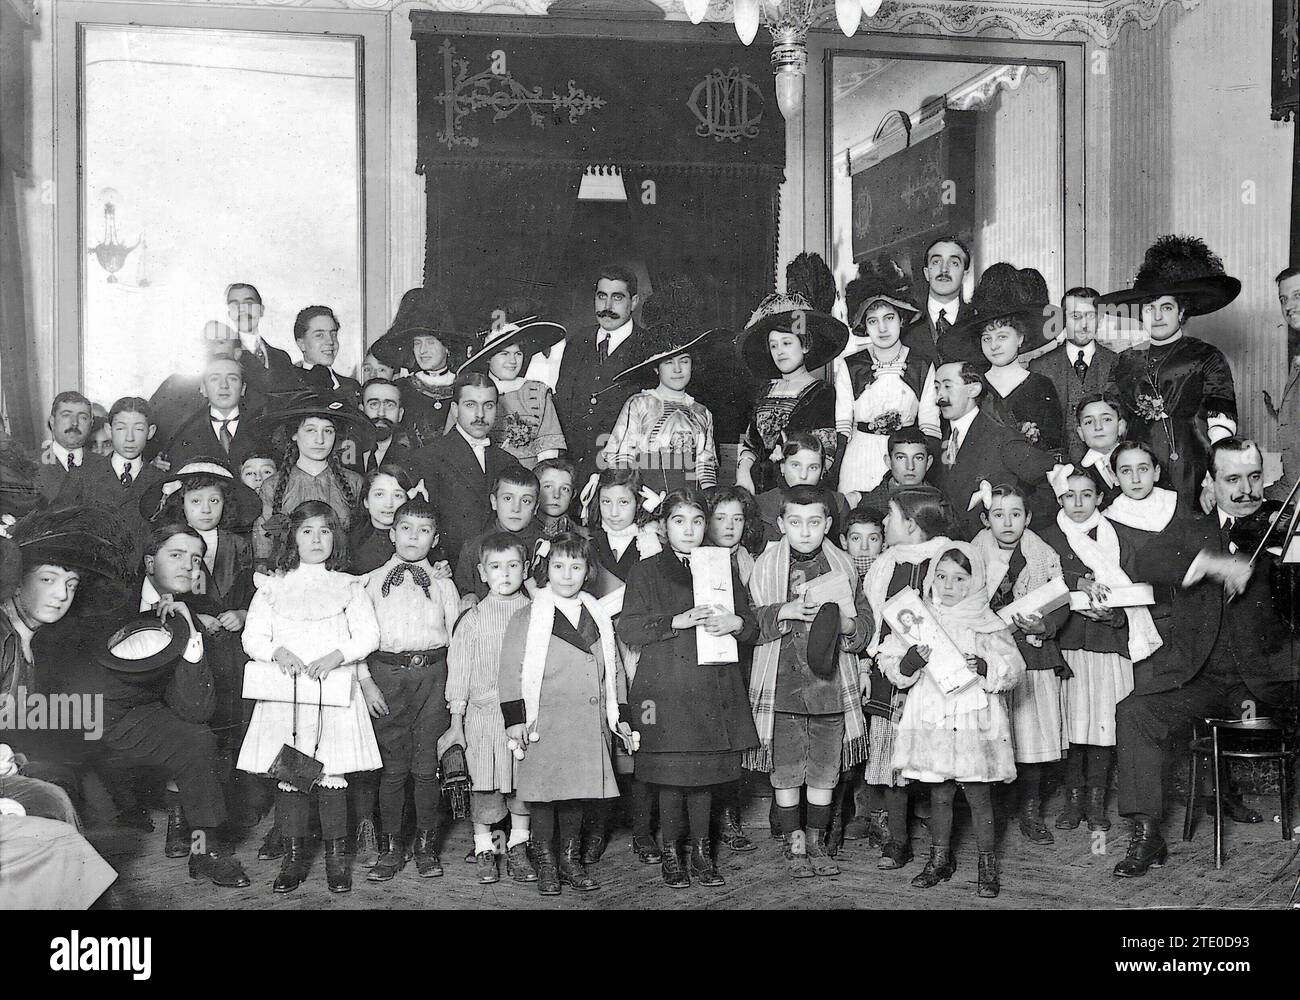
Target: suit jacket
(999,454)
(580,378)
(228,586)
(399,451)
(50,478)
(320,377)
(922,337)
(1199,616)
(278,374)
(178,399)
(195,437)
(1058,366)
(458,488)
(96,482)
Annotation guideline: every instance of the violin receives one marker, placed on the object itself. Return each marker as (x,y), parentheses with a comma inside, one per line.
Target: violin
(1249,532)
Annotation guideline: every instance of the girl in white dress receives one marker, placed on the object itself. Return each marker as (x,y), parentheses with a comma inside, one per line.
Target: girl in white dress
(310,619)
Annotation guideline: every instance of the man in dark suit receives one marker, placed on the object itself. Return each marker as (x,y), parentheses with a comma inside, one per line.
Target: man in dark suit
(220,426)
(587,401)
(1079,366)
(316,332)
(947,260)
(267,369)
(123,478)
(976,447)
(69,423)
(1223,652)
(381,399)
(460,467)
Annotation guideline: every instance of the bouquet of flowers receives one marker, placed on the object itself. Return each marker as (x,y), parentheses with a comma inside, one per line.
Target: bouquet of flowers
(1151,406)
(885,423)
(516,432)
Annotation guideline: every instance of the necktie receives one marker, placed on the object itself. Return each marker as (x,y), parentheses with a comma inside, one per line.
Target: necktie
(127,478)
(941,324)
(1080,366)
(1226,534)
(602,350)
(224,435)
(396,574)
(260,354)
(72,461)
(949,456)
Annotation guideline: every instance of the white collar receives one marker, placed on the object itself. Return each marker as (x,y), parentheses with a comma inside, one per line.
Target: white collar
(1150,514)
(149,595)
(1152,342)
(614,337)
(210,551)
(507,385)
(570,607)
(216,417)
(682,398)
(950,309)
(1008,378)
(962,424)
(381,449)
(435,378)
(61,453)
(1072,352)
(1223,518)
(1101,462)
(251,342)
(478,444)
(119,464)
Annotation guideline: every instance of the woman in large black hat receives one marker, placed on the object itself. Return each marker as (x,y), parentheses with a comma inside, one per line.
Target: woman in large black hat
(787,338)
(1008,313)
(309,429)
(424,340)
(1178,390)
(527,425)
(882,386)
(664,432)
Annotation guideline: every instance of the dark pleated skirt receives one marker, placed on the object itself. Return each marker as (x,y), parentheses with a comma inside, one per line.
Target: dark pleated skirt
(688,768)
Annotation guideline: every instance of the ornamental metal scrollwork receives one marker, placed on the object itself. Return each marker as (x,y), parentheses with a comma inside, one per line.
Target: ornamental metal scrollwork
(732,106)
(463,94)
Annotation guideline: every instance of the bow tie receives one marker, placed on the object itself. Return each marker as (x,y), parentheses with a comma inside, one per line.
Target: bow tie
(395,575)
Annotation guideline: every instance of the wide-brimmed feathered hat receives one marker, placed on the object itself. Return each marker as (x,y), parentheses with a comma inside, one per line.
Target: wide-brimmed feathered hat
(531,333)
(297,406)
(1006,295)
(90,538)
(1184,267)
(247,503)
(420,312)
(810,291)
(867,289)
(672,318)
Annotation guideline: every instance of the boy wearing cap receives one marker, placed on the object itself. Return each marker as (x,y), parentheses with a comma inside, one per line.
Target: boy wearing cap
(804,689)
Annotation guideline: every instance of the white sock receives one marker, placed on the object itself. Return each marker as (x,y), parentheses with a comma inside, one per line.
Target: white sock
(517,837)
(483,843)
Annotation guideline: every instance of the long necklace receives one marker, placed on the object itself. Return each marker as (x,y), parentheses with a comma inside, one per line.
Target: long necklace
(1153,377)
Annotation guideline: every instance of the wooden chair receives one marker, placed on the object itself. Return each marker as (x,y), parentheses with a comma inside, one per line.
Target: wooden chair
(1237,739)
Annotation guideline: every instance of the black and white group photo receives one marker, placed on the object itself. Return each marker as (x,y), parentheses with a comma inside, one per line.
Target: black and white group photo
(584,455)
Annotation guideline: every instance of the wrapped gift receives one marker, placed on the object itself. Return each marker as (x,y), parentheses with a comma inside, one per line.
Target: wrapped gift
(711,573)
(1040,601)
(265,681)
(915,624)
(1135,595)
(832,588)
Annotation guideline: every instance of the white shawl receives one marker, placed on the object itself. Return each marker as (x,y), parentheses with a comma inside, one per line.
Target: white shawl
(540,621)
(1102,557)
(1152,514)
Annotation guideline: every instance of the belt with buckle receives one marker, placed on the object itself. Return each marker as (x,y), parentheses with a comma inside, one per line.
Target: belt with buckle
(417,658)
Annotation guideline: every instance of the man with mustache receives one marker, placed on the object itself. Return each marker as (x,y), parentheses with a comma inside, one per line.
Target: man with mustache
(460,467)
(1223,649)
(976,447)
(587,399)
(1287,410)
(946,262)
(266,369)
(381,399)
(69,424)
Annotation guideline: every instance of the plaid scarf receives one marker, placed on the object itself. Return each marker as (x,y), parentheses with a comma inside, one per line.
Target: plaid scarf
(769,584)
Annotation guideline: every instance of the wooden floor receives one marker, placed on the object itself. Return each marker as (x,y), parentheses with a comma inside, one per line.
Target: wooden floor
(1065,875)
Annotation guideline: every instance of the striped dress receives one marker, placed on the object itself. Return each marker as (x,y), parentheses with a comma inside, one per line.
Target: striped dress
(473,665)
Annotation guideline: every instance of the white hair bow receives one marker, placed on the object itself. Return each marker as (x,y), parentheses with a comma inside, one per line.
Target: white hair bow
(418,490)
(982,495)
(1059,478)
(651,500)
(587,495)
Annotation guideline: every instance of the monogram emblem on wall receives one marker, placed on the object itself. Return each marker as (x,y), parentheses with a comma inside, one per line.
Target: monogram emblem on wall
(463,94)
(728,104)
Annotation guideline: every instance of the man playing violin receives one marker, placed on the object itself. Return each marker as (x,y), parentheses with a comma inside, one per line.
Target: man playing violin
(1224,650)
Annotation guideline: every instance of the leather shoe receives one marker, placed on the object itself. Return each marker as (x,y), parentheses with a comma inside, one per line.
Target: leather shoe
(392,859)
(673,870)
(488,872)
(894,855)
(572,872)
(1146,849)
(427,862)
(703,866)
(1235,808)
(1072,815)
(219,868)
(646,850)
(367,852)
(548,870)
(988,883)
(178,830)
(272,844)
(293,866)
(939,868)
(593,848)
(733,835)
(337,876)
(519,866)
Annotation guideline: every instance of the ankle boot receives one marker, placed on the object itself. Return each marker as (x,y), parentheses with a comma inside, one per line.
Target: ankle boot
(938,869)
(733,835)
(392,858)
(646,850)
(427,862)
(519,866)
(593,847)
(548,871)
(367,852)
(989,885)
(819,858)
(674,871)
(1072,815)
(703,866)
(1146,849)
(337,875)
(272,844)
(1031,821)
(572,871)
(293,866)
(178,830)
(1096,809)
